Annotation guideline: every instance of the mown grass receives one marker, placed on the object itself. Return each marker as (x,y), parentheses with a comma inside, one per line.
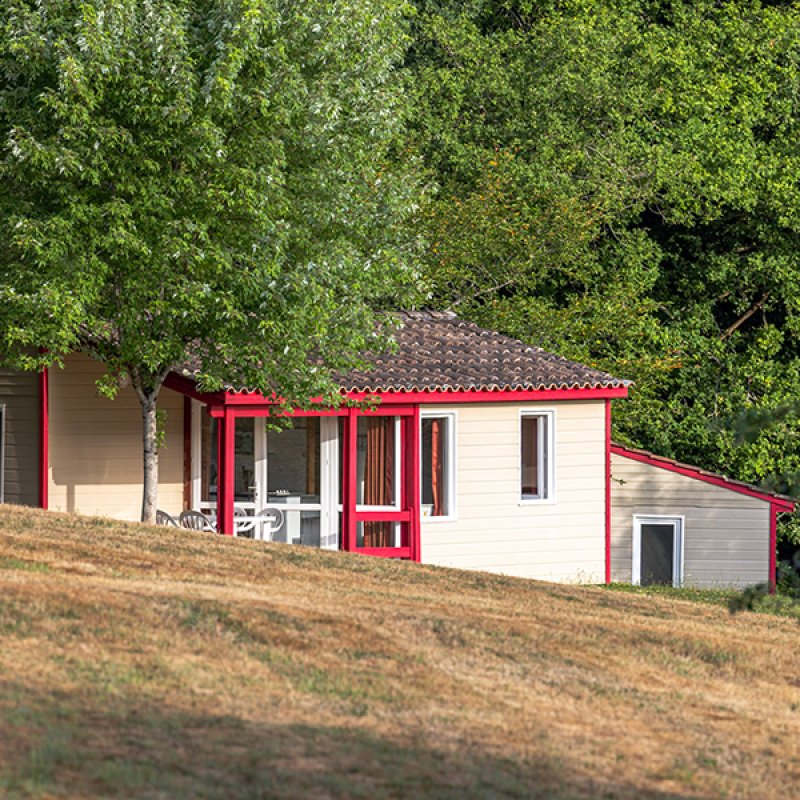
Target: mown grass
(779,604)
(140,662)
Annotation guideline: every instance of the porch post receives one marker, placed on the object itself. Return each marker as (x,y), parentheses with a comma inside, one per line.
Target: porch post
(349,493)
(225,471)
(773,546)
(44,438)
(608,493)
(412,462)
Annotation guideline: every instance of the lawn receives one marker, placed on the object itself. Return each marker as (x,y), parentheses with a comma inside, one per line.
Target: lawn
(153,663)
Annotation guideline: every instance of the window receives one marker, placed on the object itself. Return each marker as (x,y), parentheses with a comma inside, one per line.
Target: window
(438,466)
(536,455)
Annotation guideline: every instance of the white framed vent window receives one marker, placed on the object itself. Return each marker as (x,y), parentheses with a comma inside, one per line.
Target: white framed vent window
(657,551)
(537,456)
(437,465)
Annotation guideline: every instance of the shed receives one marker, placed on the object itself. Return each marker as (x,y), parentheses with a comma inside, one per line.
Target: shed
(678,524)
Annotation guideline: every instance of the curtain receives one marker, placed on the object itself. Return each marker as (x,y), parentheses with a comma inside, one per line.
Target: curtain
(437,466)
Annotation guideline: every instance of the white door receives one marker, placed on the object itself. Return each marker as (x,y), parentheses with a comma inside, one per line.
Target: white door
(657,551)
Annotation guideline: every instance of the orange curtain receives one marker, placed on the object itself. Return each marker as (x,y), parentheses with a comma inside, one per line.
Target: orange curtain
(379,477)
(437,466)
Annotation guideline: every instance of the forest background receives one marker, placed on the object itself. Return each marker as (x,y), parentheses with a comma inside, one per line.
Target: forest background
(618,182)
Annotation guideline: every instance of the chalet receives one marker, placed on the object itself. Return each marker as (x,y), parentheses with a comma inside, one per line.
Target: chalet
(482,453)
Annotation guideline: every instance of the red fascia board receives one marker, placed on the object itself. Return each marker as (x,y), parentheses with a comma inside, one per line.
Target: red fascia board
(493,396)
(695,473)
(188,387)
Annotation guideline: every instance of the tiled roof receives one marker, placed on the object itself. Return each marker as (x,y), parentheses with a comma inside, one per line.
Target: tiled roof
(702,474)
(437,351)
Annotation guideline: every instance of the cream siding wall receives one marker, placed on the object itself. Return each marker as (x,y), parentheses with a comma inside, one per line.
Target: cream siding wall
(96,446)
(19,392)
(726,534)
(560,541)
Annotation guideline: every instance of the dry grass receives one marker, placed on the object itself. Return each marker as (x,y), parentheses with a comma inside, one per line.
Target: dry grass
(149,663)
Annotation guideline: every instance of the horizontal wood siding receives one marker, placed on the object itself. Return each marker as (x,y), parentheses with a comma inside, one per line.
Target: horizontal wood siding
(96,446)
(19,392)
(493,531)
(726,534)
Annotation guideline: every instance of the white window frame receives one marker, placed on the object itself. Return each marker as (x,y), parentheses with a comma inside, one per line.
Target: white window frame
(547,465)
(679,522)
(450,464)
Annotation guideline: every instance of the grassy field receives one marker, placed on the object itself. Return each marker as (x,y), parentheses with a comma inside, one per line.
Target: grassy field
(150,663)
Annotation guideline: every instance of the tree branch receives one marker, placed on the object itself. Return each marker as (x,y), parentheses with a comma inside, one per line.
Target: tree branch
(757,306)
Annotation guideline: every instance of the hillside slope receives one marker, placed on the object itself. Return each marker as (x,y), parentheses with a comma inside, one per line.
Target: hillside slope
(147,662)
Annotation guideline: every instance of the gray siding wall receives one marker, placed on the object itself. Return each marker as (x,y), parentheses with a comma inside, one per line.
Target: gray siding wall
(19,392)
(726,534)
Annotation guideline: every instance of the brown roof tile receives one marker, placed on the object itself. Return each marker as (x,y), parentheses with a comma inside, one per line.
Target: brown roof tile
(437,351)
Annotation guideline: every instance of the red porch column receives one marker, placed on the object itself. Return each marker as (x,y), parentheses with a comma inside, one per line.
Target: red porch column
(608,491)
(349,479)
(773,546)
(412,481)
(44,438)
(226,456)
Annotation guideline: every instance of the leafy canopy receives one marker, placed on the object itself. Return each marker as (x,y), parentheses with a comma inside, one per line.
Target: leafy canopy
(201,177)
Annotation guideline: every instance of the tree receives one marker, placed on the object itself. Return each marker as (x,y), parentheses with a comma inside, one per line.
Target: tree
(200,179)
(617,183)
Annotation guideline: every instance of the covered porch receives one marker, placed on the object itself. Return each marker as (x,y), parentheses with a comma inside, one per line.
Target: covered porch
(338,479)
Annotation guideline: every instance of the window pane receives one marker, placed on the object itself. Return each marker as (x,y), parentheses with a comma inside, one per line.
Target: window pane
(293,468)
(375,481)
(530,457)
(657,565)
(378,534)
(435,477)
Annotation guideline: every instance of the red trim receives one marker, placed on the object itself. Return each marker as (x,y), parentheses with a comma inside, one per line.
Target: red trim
(350,477)
(187,452)
(696,473)
(496,396)
(413,488)
(228,474)
(608,491)
(386,552)
(383,516)
(773,546)
(44,438)
(255,399)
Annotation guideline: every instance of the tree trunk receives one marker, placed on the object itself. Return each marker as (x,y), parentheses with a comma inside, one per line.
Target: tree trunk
(148,397)
(150,451)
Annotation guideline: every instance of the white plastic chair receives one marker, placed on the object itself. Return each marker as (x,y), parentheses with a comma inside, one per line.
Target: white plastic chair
(196,521)
(162,518)
(267,523)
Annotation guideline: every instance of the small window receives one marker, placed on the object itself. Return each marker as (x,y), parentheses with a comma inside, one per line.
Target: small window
(438,484)
(536,455)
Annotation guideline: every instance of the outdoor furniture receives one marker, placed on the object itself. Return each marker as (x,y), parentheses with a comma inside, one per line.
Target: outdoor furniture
(196,521)
(267,523)
(162,518)
(243,523)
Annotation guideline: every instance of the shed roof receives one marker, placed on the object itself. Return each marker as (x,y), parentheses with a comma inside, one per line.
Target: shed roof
(437,351)
(783,501)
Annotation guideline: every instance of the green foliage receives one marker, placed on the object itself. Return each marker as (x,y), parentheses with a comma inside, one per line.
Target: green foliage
(617,183)
(204,178)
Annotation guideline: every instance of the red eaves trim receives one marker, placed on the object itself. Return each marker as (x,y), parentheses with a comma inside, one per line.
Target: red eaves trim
(773,546)
(495,396)
(783,504)
(44,438)
(608,491)
(184,385)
